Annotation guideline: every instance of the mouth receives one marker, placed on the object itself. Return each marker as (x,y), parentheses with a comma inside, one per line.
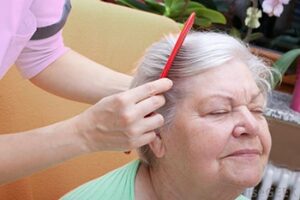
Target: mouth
(245,153)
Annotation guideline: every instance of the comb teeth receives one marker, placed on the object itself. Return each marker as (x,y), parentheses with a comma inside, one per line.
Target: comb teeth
(187,27)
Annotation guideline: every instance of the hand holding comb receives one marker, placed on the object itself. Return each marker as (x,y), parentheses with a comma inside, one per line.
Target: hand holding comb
(187,27)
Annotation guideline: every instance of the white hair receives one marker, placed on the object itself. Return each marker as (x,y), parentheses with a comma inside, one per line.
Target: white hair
(200,51)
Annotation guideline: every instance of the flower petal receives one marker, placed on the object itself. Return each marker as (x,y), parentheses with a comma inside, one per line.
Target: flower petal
(278,10)
(249,11)
(247,20)
(258,14)
(257,24)
(267,7)
(284,1)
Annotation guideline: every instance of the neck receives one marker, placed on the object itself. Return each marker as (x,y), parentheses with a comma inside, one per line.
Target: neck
(159,183)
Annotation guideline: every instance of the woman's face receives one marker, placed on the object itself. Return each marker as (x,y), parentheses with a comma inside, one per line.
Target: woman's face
(219,135)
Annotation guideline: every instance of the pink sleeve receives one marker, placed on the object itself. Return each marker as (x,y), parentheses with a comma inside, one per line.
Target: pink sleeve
(39,54)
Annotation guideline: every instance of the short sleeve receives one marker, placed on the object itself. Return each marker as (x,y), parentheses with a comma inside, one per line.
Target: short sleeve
(39,54)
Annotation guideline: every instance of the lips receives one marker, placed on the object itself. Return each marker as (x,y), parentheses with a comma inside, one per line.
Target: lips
(245,152)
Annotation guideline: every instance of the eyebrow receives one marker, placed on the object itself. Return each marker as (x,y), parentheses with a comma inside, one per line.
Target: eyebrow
(227,97)
(255,96)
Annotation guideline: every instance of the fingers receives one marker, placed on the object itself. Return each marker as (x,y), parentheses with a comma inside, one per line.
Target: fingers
(144,139)
(145,125)
(118,121)
(149,105)
(130,112)
(149,89)
(142,132)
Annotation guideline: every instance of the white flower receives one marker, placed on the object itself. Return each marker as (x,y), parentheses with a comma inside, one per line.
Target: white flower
(274,7)
(253,14)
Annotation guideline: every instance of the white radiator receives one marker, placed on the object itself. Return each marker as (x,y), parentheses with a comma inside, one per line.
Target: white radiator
(277,184)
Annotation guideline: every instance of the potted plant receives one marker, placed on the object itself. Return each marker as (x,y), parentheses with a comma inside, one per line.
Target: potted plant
(178,10)
(253,21)
(212,14)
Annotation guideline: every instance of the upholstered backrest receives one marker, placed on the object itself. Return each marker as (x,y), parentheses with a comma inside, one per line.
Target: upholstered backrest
(109,34)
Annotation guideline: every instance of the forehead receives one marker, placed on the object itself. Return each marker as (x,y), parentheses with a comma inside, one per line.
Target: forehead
(232,79)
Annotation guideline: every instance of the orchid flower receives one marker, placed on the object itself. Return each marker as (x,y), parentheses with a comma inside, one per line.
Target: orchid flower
(274,7)
(253,14)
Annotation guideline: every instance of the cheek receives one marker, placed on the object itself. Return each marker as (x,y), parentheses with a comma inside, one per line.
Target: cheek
(207,139)
(204,146)
(265,138)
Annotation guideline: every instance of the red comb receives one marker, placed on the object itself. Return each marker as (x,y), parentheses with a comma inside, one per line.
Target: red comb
(187,27)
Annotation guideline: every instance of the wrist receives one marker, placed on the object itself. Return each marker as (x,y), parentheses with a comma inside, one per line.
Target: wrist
(77,133)
(82,129)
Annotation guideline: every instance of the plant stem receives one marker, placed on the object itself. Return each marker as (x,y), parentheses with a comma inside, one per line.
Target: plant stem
(249,30)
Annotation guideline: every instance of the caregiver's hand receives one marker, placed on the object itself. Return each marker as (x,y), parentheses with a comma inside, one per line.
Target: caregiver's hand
(118,122)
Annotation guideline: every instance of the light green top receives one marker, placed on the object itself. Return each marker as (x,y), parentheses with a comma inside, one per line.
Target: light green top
(115,185)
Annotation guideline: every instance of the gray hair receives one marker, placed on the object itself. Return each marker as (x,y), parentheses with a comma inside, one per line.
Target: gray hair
(200,51)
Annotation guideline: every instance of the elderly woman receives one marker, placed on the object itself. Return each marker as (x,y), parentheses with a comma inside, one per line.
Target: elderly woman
(215,141)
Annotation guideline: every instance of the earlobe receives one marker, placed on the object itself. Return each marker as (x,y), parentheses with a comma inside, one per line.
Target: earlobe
(157,146)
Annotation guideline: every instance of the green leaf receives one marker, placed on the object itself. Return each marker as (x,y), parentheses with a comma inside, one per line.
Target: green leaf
(191,7)
(168,3)
(180,9)
(173,3)
(134,4)
(212,15)
(286,41)
(284,62)
(193,4)
(176,8)
(202,22)
(203,12)
(156,6)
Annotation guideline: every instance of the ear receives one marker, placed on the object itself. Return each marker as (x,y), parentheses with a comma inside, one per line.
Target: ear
(157,146)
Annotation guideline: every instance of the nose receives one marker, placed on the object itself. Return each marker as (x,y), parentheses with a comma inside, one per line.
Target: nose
(246,123)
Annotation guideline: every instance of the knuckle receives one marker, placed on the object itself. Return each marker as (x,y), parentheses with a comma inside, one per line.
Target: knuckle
(150,87)
(132,144)
(158,101)
(132,131)
(120,100)
(126,118)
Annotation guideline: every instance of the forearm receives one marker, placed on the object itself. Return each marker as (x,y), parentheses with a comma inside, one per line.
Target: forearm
(116,123)
(27,152)
(76,77)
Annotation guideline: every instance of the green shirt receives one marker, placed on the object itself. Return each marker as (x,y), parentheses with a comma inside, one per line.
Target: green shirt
(115,185)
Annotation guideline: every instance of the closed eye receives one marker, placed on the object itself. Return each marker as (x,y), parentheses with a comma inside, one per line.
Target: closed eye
(258,110)
(220,112)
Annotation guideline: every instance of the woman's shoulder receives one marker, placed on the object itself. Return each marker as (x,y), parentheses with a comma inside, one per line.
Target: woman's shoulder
(117,184)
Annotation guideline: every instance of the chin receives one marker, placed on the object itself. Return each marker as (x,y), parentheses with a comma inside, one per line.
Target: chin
(247,177)
(244,171)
